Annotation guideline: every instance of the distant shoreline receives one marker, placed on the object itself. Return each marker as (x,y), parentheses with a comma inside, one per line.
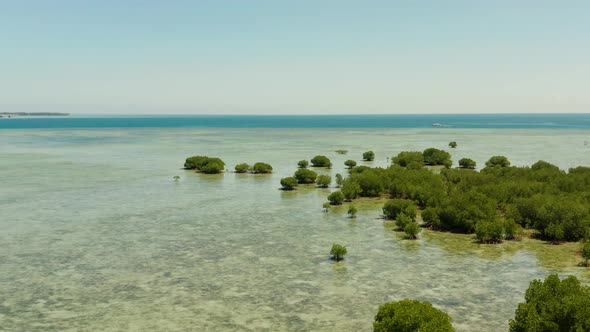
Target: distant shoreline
(15,114)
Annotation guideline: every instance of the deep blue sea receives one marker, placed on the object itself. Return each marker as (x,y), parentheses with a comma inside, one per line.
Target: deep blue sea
(511,121)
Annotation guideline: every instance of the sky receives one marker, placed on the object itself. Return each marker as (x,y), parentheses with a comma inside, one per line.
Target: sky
(294,57)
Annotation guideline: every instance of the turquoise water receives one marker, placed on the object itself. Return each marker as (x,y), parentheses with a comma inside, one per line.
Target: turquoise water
(97,236)
(506,121)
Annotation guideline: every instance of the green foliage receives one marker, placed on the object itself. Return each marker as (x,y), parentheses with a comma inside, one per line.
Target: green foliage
(196,162)
(350,188)
(304,175)
(453,144)
(339,180)
(213,167)
(204,164)
(261,168)
(434,157)
(490,231)
(553,305)
(409,159)
(556,217)
(431,218)
(543,165)
(326,206)
(176,178)
(321,161)
(336,198)
(554,203)
(585,251)
(467,163)
(497,161)
(412,230)
(512,230)
(288,183)
(393,208)
(369,156)
(324,181)
(303,163)
(402,220)
(350,163)
(352,210)
(341,151)
(242,168)
(337,252)
(462,211)
(411,316)
(370,183)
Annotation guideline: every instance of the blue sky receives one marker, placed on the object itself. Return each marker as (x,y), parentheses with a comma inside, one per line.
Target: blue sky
(279,57)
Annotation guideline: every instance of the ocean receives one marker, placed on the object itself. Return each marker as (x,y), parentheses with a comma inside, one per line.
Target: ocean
(96,234)
(497,121)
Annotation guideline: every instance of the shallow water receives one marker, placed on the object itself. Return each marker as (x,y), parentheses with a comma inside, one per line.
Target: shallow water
(96,235)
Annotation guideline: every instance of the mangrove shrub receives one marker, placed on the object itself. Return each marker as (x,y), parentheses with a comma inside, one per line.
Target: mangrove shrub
(369,156)
(336,198)
(350,163)
(305,175)
(288,183)
(411,316)
(261,168)
(321,161)
(337,252)
(324,181)
(553,305)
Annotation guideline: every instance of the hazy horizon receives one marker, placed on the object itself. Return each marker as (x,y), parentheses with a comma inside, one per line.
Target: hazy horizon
(262,57)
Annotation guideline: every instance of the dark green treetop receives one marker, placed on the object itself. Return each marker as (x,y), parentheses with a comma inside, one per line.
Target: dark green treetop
(324,181)
(350,163)
(467,163)
(304,175)
(499,161)
(336,198)
(261,168)
(321,161)
(288,183)
(369,156)
(242,168)
(409,159)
